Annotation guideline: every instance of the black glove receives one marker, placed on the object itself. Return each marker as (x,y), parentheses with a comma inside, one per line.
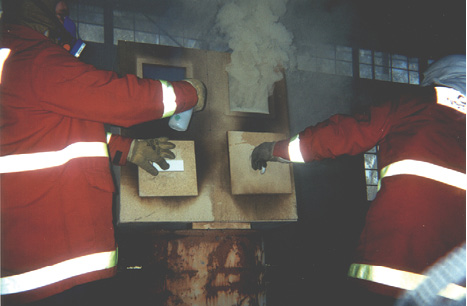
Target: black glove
(262,154)
(145,152)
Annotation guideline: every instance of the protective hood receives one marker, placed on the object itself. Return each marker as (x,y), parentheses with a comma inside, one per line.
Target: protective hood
(449,71)
(38,15)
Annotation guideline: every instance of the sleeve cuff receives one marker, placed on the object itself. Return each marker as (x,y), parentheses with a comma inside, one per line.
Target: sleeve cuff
(281,149)
(119,147)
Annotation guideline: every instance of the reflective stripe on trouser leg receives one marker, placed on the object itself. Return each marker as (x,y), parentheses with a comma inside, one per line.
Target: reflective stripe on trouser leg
(58,272)
(400,279)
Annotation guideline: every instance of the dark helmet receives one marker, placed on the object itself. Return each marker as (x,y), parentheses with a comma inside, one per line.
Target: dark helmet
(35,14)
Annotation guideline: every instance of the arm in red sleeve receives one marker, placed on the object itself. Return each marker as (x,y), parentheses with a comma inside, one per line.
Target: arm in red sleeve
(338,135)
(119,147)
(74,89)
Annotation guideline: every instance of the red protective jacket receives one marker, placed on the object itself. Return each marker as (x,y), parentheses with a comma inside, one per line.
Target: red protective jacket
(56,209)
(414,220)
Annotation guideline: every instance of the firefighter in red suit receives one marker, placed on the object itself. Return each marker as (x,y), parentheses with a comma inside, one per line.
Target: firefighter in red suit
(418,215)
(56,184)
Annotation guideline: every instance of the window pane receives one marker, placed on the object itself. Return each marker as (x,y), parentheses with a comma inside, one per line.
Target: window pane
(87,14)
(325,65)
(123,20)
(402,64)
(371,192)
(344,53)
(323,51)
(370,161)
(192,43)
(365,71)
(381,59)
(146,37)
(414,78)
(144,24)
(400,76)
(169,41)
(344,68)
(397,57)
(365,57)
(90,32)
(371,177)
(120,34)
(413,64)
(382,73)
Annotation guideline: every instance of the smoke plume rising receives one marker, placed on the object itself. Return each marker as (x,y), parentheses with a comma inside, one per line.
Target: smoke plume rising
(260,45)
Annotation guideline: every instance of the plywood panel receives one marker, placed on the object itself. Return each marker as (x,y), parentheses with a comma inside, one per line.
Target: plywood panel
(172,183)
(245,180)
(208,129)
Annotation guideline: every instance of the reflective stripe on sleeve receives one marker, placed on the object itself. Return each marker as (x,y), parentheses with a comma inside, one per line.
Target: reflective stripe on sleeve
(168,99)
(295,154)
(109,136)
(58,272)
(4,53)
(400,279)
(451,98)
(427,170)
(43,160)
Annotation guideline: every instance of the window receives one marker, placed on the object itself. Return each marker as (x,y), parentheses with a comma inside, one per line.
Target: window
(140,27)
(371,173)
(328,59)
(89,21)
(388,67)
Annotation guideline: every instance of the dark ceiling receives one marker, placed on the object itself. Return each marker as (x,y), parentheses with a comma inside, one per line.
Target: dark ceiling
(422,28)
(413,27)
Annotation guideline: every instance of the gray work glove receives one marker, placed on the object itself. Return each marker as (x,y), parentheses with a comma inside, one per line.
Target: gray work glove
(262,154)
(201,91)
(145,152)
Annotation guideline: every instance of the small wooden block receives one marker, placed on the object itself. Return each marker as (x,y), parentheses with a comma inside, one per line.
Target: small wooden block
(172,183)
(245,180)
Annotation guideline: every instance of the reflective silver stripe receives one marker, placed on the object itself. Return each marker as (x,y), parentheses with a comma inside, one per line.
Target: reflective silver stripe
(168,98)
(43,160)
(400,279)
(58,272)
(4,53)
(109,136)
(451,98)
(295,154)
(427,170)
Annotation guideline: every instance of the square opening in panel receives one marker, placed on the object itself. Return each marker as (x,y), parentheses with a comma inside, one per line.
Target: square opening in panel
(159,72)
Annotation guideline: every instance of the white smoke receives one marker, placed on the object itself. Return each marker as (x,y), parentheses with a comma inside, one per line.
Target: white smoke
(260,45)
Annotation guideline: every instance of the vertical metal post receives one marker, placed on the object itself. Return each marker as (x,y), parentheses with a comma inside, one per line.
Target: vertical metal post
(109,48)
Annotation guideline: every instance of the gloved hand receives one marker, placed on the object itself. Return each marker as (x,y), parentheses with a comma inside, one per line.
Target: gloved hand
(262,154)
(143,152)
(201,90)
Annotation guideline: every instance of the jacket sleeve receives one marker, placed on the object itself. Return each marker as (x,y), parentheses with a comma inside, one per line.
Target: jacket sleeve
(119,147)
(69,87)
(340,134)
